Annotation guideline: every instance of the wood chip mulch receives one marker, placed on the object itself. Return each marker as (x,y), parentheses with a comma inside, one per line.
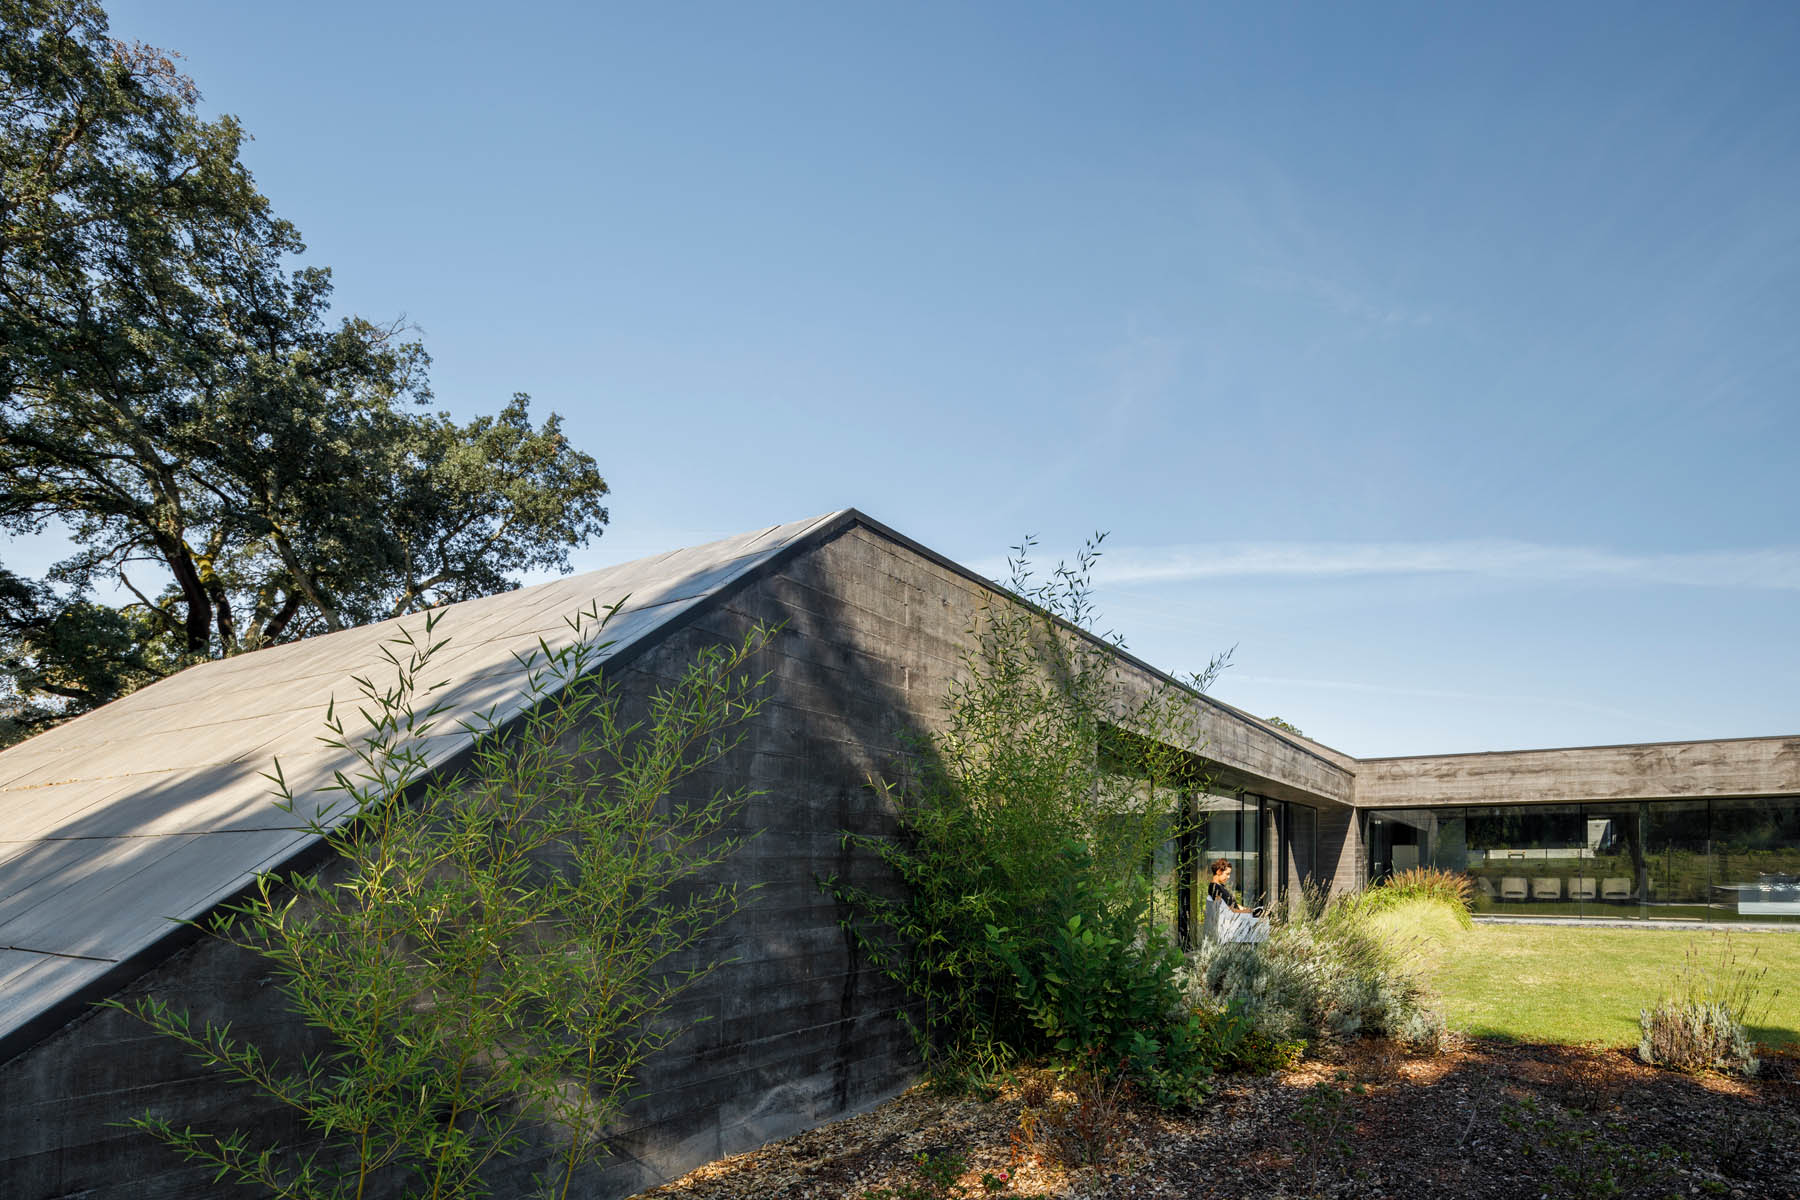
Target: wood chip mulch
(1481,1119)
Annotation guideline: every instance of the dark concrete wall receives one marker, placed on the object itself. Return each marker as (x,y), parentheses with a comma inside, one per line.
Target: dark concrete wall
(1341,857)
(796,1031)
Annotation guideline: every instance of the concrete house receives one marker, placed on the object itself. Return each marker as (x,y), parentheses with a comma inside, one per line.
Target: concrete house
(154,810)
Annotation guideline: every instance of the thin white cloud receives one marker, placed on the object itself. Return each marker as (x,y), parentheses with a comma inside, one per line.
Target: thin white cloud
(1774,568)
(1355,303)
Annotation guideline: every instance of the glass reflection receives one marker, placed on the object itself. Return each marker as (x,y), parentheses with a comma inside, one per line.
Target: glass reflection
(1730,859)
(1679,883)
(1756,859)
(1528,861)
(1231,829)
(1620,866)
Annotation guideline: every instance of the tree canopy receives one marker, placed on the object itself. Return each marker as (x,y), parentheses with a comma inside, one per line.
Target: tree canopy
(175,394)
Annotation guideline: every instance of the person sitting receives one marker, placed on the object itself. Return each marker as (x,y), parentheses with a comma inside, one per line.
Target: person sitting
(1220,888)
(1226,919)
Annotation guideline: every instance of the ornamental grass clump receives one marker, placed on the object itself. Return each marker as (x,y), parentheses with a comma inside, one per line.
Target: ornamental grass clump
(1453,889)
(1703,1023)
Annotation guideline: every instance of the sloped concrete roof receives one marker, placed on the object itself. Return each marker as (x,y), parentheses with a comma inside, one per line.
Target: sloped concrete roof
(154,809)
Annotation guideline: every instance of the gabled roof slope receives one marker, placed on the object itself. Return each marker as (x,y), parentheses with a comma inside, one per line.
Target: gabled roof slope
(154,809)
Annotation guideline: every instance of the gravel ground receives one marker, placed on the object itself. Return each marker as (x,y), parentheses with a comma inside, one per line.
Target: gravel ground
(1482,1119)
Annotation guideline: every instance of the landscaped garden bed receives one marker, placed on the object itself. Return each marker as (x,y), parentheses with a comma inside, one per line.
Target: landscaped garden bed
(1483,1118)
(1529,1111)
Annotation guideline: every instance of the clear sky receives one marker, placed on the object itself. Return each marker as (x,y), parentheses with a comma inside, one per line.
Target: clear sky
(1442,358)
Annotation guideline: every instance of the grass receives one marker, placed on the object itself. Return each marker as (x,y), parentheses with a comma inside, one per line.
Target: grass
(1572,984)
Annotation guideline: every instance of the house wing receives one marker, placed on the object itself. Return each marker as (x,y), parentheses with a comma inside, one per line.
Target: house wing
(151,811)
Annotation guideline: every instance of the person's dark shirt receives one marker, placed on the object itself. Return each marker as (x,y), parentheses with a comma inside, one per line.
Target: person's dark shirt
(1218,891)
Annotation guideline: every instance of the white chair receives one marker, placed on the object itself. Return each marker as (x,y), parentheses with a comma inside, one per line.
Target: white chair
(1546,888)
(1223,925)
(1581,888)
(1616,888)
(1512,887)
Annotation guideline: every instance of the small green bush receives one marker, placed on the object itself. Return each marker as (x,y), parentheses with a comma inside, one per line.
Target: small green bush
(1104,992)
(1259,1054)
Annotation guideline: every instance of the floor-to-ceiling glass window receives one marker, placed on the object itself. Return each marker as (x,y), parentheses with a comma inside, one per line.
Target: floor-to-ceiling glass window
(1680,868)
(1728,859)
(1756,859)
(1527,861)
(1620,870)
(1230,827)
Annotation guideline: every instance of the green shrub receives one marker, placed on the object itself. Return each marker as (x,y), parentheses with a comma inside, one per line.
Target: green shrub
(1025,827)
(494,953)
(1259,1054)
(1105,993)
(1318,978)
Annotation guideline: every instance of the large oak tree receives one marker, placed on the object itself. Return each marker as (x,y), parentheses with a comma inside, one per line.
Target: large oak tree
(174,394)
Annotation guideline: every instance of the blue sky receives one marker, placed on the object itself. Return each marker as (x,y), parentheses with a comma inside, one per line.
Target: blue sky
(1442,358)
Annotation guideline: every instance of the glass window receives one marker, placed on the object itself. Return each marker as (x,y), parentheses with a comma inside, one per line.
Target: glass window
(1231,829)
(1399,840)
(1619,869)
(1527,861)
(1679,872)
(1732,859)
(1756,859)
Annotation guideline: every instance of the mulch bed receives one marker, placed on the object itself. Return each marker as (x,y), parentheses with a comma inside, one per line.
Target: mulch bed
(1481,1119)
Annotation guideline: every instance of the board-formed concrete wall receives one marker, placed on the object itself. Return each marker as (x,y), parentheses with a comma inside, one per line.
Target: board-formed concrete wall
(1667,770)
(793,1031)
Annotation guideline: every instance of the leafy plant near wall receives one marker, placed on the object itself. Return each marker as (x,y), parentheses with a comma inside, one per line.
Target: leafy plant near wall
(1109,998)
(1055,777)
(489,956)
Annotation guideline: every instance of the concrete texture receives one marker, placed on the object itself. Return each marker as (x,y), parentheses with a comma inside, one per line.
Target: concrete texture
(1767,766)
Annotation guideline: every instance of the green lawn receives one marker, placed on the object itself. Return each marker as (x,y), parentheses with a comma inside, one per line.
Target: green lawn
(1543,983)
